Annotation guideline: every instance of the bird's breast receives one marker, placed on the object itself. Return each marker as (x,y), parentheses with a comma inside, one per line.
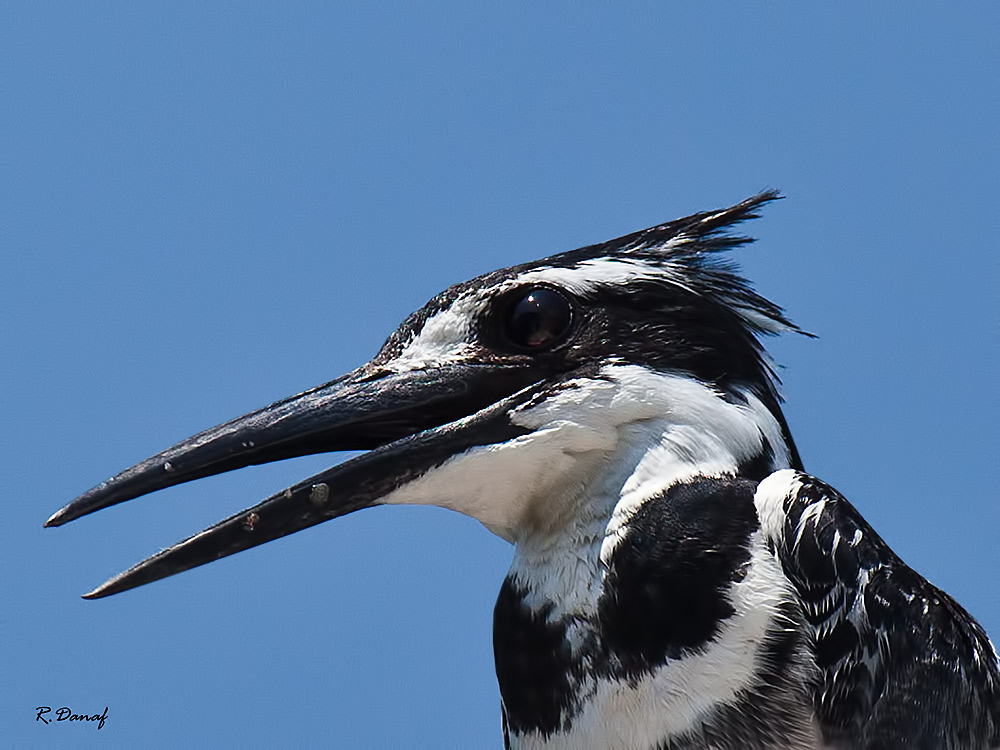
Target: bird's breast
(687,623)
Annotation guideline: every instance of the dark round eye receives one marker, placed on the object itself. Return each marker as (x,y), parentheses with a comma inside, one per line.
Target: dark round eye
(537,319)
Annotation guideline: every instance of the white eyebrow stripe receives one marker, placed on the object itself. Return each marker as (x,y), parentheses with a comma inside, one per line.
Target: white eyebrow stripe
(588,275)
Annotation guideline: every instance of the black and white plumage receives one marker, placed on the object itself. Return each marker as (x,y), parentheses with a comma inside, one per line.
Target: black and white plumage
(678,582)
(902,664)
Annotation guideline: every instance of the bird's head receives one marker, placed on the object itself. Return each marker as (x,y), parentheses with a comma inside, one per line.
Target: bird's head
(506,395)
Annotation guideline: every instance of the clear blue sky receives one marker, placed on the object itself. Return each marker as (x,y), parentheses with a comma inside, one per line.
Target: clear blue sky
(206,207)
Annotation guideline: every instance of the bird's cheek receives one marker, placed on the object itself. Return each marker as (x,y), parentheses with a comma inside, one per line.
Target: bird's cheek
(507,486)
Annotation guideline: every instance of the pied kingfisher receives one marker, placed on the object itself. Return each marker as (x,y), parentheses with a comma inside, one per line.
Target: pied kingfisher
(678,581)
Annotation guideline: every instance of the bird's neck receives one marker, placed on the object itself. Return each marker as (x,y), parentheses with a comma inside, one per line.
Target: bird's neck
(681,429)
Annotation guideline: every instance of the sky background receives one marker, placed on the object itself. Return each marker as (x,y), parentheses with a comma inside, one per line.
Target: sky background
(208,206)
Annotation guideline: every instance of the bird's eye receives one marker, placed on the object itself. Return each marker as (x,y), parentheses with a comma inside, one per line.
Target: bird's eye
(537,319)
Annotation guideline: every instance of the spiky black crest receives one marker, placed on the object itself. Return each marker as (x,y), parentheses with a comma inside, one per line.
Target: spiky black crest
(689,253)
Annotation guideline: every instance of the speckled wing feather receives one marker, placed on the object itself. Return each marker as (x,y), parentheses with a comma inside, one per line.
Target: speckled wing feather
(902,665)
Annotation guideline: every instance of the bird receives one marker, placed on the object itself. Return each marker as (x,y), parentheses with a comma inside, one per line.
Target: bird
(678,581)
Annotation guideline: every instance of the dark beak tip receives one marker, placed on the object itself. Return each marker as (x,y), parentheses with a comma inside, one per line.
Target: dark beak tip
(64,515)
(105,589)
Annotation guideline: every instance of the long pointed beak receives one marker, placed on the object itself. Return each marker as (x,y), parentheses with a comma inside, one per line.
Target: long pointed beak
(413,420)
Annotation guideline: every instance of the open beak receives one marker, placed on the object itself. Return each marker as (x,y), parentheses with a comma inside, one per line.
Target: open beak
(410,422)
